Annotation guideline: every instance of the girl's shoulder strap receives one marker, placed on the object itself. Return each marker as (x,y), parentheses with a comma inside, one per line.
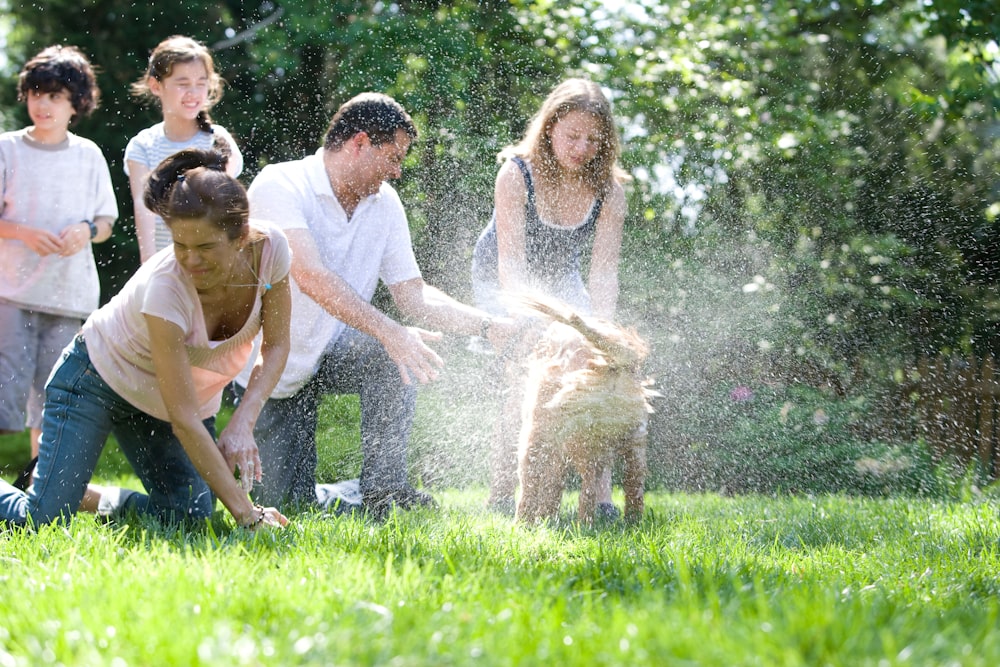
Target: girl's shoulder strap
(526,172)
(595,212)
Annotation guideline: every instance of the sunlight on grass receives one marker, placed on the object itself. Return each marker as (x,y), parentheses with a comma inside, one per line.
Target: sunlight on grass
(701,580)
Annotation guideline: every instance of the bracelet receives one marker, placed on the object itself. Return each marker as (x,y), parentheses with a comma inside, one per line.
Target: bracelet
(93,228)
(484,327)
(259,520)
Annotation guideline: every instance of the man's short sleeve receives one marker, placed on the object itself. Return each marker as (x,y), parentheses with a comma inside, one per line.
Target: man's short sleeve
(279,198)
(398,262)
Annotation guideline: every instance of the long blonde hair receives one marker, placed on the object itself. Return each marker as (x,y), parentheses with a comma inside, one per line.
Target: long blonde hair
(536,145)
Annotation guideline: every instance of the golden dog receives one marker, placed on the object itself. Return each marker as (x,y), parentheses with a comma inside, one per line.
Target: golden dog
(585,400)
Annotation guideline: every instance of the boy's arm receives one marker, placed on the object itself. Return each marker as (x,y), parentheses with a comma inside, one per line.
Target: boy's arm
(75,237)
(105,225)
(40,241)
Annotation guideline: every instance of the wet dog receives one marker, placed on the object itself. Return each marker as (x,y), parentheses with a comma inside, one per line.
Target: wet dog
(586,400)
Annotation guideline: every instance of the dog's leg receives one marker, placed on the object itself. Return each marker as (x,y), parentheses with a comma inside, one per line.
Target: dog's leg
(590,478)
(550,496)
(503,453)
(540,482)
(634,482)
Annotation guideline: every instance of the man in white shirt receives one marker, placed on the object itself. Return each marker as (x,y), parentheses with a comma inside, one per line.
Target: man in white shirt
(347,230)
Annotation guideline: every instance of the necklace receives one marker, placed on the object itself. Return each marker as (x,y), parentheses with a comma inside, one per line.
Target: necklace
(256,278)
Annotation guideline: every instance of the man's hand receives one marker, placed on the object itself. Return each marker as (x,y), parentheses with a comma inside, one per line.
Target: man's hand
(407,346)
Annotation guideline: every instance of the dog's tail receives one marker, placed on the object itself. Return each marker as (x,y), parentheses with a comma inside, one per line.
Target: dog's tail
(622,348)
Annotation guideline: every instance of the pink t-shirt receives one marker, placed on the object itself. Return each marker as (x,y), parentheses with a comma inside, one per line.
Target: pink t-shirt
(118,339)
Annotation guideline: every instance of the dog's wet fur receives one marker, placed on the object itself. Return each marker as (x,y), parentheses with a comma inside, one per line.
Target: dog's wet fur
(586,400)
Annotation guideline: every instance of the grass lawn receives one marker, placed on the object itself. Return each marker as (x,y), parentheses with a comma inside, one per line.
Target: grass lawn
(703,580)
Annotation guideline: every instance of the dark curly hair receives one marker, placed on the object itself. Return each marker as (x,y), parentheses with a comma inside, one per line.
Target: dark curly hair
(62,67)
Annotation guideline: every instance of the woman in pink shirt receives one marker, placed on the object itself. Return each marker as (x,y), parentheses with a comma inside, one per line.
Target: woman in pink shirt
(151,364)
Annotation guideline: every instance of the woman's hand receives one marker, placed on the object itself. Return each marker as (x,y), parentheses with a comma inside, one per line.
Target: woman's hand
(239,448)
(264,517)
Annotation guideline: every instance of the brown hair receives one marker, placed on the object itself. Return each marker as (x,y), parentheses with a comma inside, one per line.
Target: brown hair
(536,145)
(193,184)
(181,49)
(62,67)
(375,114)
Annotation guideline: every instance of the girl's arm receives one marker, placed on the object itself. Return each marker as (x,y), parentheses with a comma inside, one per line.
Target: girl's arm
(236,441)
(173,373)
(509,197)
(145,220)
(603,278)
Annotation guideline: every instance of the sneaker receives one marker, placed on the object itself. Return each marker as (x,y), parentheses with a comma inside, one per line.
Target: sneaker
(381,503)
(606,512)
(339,498)
(23,480)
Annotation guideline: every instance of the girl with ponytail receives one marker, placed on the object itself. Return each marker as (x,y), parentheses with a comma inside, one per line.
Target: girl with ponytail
(182,80)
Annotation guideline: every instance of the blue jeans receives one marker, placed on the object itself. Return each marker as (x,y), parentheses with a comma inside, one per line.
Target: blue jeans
(80,411)
(286,428)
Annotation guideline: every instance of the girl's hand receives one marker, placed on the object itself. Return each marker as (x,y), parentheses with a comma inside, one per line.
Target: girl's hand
(239,448)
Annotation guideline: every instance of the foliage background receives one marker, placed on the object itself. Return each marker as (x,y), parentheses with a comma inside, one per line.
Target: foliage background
(815,197)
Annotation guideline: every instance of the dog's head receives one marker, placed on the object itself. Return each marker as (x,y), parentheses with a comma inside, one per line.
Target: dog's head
(616,347)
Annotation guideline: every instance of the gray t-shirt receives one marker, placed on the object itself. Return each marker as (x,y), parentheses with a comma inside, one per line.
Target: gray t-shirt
(51,186)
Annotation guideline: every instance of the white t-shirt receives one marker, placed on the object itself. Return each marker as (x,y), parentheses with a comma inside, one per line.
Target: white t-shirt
(151,147)
(374,244)
(51,186)
(118,340)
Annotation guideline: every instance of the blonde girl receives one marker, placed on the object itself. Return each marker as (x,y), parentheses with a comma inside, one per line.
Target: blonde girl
(182,80)
(558,193)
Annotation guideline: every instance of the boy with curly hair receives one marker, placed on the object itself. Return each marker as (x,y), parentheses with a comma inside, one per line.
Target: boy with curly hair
(56,199)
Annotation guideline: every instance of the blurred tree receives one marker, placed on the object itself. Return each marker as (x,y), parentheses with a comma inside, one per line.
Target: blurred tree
(847,151)
(468,72)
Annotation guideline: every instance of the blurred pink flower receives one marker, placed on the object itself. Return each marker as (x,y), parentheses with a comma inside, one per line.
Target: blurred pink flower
(741,394)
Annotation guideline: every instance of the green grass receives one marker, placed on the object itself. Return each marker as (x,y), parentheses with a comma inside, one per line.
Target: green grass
(703,580)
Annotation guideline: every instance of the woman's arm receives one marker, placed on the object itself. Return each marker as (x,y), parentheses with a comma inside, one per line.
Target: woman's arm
(509,196)
(603,279)
(236,441)
(173,373)
(145,220)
